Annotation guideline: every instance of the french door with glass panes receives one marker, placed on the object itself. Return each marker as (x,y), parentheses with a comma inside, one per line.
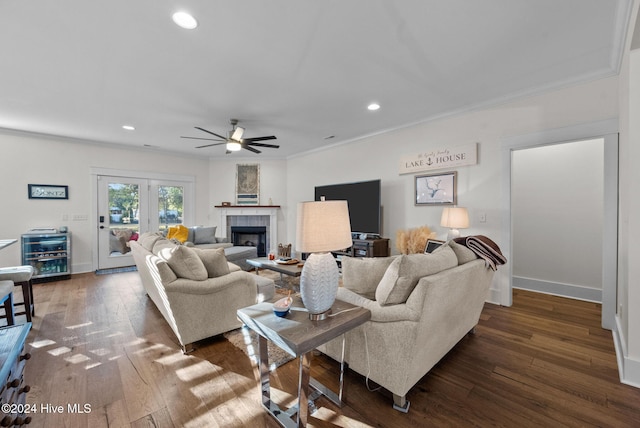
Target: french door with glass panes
(128,207)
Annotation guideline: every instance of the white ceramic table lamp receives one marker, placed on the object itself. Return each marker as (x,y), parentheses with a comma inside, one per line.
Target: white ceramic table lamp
(454,218)
(321,227)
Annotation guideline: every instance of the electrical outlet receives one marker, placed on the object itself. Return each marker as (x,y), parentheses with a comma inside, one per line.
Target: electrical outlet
(482,217)
(65,217)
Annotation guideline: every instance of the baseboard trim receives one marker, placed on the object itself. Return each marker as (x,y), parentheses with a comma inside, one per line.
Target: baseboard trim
(628,368)
(558,289)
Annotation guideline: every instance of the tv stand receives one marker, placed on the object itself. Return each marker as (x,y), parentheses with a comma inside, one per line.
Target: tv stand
(367,248)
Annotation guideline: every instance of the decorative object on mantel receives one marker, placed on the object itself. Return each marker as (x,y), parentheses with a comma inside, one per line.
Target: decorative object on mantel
(321,227)
(47,191)
(436,189)
(225,204)
(248,184)
(440,158)
(413,241)
(454,218)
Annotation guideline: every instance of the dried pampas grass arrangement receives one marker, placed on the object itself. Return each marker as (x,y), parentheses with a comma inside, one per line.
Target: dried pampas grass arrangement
(413,241)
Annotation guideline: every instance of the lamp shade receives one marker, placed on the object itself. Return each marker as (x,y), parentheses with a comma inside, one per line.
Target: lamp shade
(323,226)
(455,218)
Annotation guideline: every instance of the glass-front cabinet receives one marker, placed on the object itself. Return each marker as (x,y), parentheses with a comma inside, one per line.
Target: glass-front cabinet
(49,254)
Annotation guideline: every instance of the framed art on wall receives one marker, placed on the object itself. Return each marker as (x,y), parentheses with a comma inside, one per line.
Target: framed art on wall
(248,184)
(436,189)
(48,191)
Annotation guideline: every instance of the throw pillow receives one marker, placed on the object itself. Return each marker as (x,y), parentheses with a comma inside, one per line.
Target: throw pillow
(184,262)
(214,261)
(363,275)
(161,244)
(179,232)
(205,235)
(117,244)
(126,233)
(464,254)
(403,274)
(147,240)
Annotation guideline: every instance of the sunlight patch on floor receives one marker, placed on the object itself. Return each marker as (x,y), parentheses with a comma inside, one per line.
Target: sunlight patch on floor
(73,327)
(42,343)
(100,352)
(59,351)
(195,371)
(77,359)
(328,415)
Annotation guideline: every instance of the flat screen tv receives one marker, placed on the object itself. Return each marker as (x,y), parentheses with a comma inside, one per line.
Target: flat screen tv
(364,203)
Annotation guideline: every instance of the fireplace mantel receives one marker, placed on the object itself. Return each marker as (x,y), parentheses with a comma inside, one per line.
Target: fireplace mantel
(254,210)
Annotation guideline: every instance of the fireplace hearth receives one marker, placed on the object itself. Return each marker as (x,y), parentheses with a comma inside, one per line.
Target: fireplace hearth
(250,236)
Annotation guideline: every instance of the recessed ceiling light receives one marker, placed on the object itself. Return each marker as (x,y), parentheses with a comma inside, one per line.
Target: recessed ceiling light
(184,20)
(129,127)
(373,106)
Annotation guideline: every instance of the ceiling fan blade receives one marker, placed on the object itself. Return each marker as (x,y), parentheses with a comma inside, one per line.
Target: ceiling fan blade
(270,137)
(251,149)
(209,145)
(212,133)
(271,146)
(237,134)
(198,138)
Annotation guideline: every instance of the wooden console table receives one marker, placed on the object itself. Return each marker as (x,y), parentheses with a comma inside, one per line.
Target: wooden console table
(298,335)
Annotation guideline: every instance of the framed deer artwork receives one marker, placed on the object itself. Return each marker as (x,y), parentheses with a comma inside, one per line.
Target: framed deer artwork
(436,189)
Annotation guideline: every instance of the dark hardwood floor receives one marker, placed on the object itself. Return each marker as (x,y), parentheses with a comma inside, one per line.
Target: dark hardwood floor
(99,341)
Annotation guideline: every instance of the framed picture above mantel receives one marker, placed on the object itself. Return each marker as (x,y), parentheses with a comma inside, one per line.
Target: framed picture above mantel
(248,184)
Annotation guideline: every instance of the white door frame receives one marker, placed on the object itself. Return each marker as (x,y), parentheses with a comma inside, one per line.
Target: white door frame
(607,129)
(189,196)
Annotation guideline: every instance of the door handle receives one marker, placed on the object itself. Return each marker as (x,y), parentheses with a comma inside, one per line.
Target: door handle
(101,227)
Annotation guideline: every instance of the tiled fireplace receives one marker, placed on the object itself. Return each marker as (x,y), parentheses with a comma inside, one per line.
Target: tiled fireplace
(251,218)
(251,236)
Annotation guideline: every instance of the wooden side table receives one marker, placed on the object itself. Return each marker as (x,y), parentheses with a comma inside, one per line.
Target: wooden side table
(298,335)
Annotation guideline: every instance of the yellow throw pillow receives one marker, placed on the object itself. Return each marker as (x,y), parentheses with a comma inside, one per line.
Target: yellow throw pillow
(179,232)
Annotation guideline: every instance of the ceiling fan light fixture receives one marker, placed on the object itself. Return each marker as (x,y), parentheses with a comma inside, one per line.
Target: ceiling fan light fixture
(184,20)
(237,133)
(373,106)
(234,146)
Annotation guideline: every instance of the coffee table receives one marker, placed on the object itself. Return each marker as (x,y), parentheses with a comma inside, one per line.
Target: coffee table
(264,263)
(299,336)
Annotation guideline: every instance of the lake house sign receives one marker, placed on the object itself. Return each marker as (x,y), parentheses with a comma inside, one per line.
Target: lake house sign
(440,158)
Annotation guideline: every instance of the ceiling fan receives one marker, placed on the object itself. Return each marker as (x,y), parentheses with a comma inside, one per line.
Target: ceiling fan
(235,141)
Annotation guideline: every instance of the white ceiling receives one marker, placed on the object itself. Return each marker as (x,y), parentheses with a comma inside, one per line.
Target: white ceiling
(301,70)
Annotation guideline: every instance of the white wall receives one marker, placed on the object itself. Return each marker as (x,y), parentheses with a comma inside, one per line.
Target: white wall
(40,160)
(557,218)
(631,307)
(479,186)
(628,314)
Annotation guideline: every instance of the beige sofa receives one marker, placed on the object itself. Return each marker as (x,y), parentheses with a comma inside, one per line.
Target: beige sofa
(421,306)
(197,291)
